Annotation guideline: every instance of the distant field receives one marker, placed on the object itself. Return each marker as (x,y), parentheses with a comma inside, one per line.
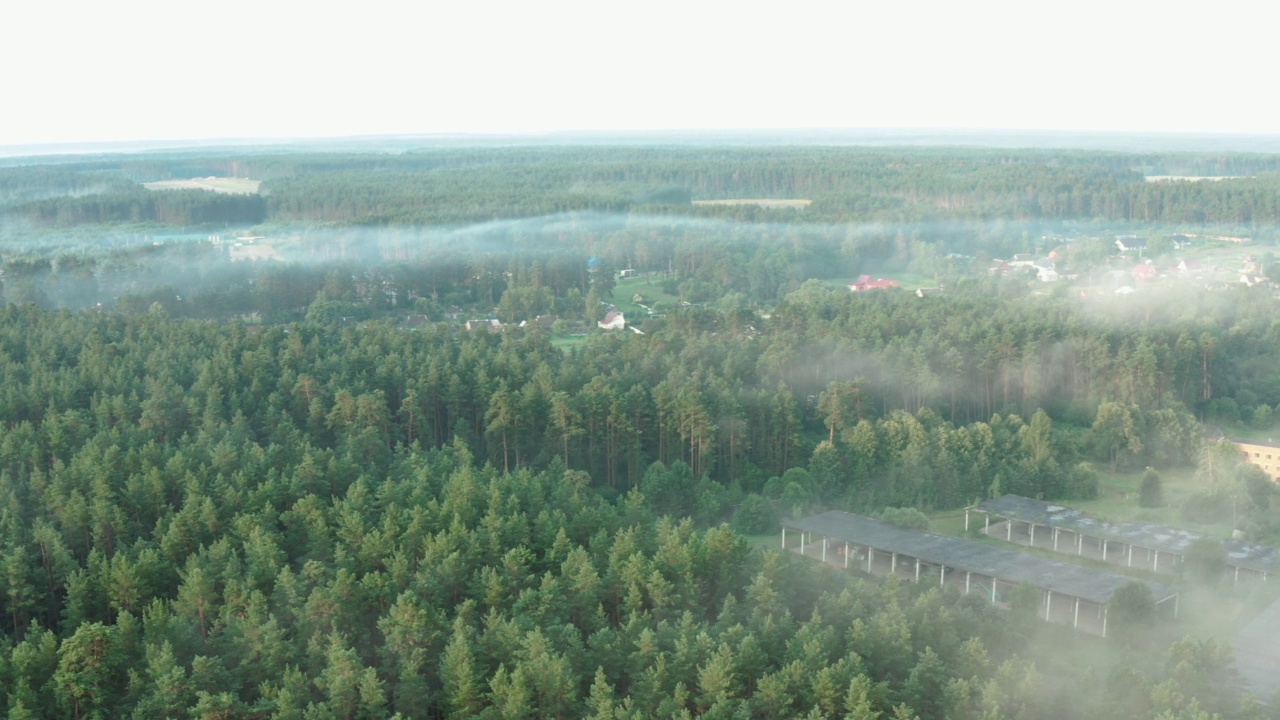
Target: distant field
(231,186)
(759,202)
(1194,178)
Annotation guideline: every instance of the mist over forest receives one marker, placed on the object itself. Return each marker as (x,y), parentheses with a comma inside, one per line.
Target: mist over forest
(508,429)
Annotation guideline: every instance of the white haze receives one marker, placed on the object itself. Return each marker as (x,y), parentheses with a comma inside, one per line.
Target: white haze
(150,70)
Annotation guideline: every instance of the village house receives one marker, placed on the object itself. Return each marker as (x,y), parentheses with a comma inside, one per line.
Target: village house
(1125,243)
(613,320)
(493,325)
(1144,272)
(864,282)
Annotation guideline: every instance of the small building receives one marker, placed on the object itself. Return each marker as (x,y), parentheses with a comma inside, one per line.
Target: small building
(1125,243)
(864,283)
(1070,594)
(613,320)
(1263,453)
(1144,272)
(1190,267)
(493,325)
(628,273)
(1145,546)
(1022,260)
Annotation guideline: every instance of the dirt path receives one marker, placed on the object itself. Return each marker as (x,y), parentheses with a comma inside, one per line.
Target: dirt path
(1257,648)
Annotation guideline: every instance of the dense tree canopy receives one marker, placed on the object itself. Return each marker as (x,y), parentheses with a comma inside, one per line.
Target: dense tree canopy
(304,489)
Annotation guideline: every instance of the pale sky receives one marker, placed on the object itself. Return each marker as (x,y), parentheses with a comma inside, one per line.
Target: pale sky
(79,70)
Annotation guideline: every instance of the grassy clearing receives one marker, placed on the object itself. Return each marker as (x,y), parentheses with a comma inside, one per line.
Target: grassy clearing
(948,522)
(768,541)
(568,341)
(908,281)
(230,186)
(651,288)
(759,202)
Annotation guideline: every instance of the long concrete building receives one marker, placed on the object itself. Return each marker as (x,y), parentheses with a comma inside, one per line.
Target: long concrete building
(1070,594)
(1145,546)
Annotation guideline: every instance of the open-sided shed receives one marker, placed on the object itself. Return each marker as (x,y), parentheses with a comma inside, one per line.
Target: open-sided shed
(1070,593)
(1148,546)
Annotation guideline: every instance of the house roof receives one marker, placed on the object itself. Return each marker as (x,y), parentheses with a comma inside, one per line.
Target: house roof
(1259,443)
(967,555)
(1258,558)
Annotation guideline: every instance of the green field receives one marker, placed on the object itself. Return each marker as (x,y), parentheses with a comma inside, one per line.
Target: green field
(908,281)
(651,288)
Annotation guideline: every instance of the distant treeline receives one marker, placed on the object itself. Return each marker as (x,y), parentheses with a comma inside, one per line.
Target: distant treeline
(170,207)
(846,184)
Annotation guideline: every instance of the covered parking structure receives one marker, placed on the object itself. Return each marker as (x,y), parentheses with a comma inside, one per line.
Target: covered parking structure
(1069,594)
(1145,546)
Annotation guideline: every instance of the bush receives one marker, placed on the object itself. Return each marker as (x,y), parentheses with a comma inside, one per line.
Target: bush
(1207,508)
(755,516)
(905,517)
(1083,482)
(1206,559)
(1132,611)
(1151,495)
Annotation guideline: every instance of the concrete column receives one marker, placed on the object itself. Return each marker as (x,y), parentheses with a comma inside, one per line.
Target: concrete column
(966,519)
(784,538)
(1076,622)
(893,563)
(1104,622)
(993,590)
(1157,562)
(917,569)
(942,576)
(1079,543)
(870,554)
(1008,526)
(846,555)
(1033,534)
(1055,539)
(1048,603)
(966,582)
(824,549)
(987,526)
(1130,556)
(1104,550)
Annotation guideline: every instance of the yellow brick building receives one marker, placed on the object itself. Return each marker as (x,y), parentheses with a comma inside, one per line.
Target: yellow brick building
(1263,453)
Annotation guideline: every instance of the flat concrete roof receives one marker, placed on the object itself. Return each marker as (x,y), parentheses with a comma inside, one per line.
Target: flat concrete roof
(1258,558)
(966,555)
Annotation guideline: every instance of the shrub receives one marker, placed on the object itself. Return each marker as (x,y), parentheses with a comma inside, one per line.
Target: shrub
(755,516)
(1151,495)
(907,517)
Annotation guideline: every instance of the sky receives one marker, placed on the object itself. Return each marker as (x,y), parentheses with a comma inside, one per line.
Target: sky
(128,70)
